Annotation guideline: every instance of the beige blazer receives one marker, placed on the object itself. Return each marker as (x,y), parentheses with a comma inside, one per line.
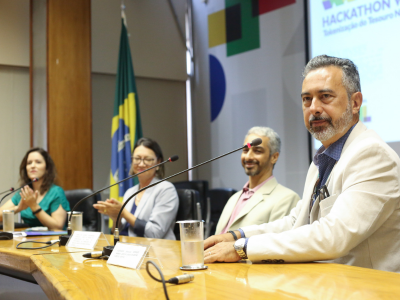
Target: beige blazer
(359,224)
(271,202)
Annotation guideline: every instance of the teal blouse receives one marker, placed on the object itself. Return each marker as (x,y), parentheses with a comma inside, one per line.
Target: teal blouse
(50,203)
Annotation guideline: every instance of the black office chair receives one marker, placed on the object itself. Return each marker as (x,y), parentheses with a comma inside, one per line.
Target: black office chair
(189,208)
(202,187)
(91,218)
(218,200)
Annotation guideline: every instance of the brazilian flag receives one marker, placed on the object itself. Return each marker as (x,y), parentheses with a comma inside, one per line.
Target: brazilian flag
(126,126)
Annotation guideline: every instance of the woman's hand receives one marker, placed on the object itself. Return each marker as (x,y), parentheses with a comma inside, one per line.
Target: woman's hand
(110,207)
(21,206)
(28,198)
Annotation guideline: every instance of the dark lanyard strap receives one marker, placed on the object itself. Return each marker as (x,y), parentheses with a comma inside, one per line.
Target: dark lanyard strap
(314,194)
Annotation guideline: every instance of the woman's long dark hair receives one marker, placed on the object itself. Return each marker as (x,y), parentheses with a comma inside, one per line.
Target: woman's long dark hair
(152,145)
(49,176)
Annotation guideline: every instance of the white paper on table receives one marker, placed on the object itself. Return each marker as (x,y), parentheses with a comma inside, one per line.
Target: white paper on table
(127,255)
(83,240)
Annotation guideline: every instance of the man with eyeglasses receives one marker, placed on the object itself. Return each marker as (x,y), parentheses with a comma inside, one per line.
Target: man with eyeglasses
(350,210)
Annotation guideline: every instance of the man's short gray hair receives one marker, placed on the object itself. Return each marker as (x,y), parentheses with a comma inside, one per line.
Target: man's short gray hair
(350,78)
(274,143)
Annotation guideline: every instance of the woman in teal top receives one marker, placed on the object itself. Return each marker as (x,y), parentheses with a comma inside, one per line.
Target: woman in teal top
(42,203)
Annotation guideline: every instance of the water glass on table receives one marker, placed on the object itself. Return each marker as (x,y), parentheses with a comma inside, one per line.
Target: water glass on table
(8,220)
(76,221)
(192,244)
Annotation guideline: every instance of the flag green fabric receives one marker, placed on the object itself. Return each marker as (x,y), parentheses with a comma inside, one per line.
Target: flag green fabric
(126,126)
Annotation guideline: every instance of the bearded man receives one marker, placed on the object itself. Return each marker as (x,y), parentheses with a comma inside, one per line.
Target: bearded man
(262,198)
(350,210)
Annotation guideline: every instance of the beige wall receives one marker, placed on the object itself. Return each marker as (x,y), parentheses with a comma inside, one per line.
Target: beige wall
(14,32)
(157,49)
(14,122)
(14,89)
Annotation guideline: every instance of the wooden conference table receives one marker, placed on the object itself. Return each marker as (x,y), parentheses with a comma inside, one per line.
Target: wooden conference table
(62,273)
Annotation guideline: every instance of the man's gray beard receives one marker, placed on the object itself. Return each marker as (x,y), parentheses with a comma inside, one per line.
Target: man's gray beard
(332,129)
(252,172)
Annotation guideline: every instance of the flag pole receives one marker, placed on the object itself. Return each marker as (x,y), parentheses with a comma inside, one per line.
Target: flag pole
(123,15)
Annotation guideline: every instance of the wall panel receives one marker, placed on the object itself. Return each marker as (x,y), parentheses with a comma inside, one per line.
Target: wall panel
(69,91)
(14,33)
(157,48)
(14,122)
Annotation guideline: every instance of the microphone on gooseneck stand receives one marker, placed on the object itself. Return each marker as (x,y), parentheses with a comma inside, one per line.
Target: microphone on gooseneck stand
(108,249)
(9,190)
(64,238)
(9,235)
(13,191)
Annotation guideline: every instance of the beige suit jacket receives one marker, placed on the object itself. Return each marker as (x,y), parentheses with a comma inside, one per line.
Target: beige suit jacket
(359,224)
(271,202)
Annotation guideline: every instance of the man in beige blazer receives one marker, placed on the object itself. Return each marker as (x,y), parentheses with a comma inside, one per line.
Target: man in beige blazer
(350,210)
(262,199)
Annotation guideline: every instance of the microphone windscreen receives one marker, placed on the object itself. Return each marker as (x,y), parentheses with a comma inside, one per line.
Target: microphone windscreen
(174,158)
(256,142)
(35,179)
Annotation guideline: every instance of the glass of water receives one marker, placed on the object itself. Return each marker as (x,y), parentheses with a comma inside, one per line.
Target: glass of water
(8,220)
(192,244)
(76,221)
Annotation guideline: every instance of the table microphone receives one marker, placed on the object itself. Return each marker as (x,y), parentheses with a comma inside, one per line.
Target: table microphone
(108,249)
(9,235)
(6,235)
(64,238)
(9,190)
(13,191)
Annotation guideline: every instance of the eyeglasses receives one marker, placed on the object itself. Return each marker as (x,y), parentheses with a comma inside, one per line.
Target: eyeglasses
(146,161)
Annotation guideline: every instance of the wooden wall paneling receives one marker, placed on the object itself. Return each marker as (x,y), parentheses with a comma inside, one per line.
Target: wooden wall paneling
(69,91)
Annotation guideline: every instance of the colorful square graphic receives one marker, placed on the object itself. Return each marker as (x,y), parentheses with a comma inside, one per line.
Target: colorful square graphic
(238,24)
(265,6)
(327,4)
(216,29)
(247,24)
(233,23)
(363,114)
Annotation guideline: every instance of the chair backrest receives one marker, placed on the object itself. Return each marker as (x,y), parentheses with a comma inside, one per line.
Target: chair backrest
(91,218)
(218,200)
(187,210)
(199,185)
